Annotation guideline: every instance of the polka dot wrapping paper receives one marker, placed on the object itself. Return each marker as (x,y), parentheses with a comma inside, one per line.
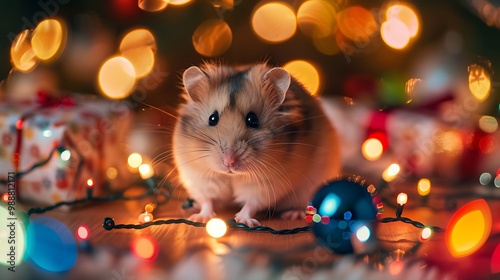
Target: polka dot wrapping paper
(60,144)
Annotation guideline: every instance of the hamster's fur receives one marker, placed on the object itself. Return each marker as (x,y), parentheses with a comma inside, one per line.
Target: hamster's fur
(251,135)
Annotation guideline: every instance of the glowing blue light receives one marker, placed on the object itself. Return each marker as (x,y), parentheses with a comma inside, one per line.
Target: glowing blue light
(50,244)
(347,215)
(363,233)
(329,206)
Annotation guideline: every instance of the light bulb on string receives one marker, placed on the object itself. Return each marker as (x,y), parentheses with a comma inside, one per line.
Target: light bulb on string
(425,234)
(391,172)
(216,228)
(402,198)
(424,187)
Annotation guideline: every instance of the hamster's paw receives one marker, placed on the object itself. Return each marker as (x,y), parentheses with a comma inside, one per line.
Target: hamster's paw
(245,219)
(293,215)
(201,217)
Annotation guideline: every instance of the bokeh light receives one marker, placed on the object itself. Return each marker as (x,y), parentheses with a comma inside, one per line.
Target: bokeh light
(488,124)
(216,228)
(396,267)
(146,171)
(145,217)
(50,244)
(153,5)
(363,233)
(149,207)
(485,178)
(479,82)
(372,149)
(90,182)
(48,39)
(405,14)
(212,38)
(144,247)
(274,22)
(5,197)
(395,34)
(357,24)
(134,160)
(391,172)
(468,229)
(65,155)
(424,187)
(22,56)
(449,142)
(83,232)
(316,18)
(425,234)
(402,198)
(139,47)
(496,182)
(116,77)
(111,173)
(306,73)
(16,232)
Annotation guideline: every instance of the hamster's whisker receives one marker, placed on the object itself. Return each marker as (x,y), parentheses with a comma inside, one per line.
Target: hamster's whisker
(160,110)
(298,121)
(294,169)
(266,185)
(298,143)
(280,173)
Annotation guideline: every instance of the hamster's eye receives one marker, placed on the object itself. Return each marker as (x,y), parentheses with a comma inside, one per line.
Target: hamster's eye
(213,120)
(252,120)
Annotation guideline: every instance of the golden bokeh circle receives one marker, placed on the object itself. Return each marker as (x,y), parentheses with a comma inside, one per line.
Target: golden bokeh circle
(48,39)
(212,38)
(274,22)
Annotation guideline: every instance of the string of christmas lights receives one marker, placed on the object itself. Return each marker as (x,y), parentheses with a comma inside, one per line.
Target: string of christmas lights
(150,189)
(38,164)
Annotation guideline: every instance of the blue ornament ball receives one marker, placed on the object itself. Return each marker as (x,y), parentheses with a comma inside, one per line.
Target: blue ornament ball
(338,210)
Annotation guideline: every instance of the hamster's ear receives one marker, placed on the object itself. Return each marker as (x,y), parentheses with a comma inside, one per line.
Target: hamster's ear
(195,81)
(280,79)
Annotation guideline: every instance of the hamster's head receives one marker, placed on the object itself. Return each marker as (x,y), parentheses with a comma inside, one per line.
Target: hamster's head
(233,118)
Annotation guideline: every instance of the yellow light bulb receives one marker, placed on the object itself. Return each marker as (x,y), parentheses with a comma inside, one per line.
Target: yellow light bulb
(424,187)
(216,228)
(402,198)
(145,171)
(391,172)
(134,160)
(372,149)
(479,82)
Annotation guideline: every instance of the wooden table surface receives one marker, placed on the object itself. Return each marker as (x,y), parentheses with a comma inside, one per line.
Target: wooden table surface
(187,252)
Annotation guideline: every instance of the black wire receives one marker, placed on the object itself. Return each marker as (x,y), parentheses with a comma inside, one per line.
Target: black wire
(409,221)
(119,196)
(109,224)
(33,167)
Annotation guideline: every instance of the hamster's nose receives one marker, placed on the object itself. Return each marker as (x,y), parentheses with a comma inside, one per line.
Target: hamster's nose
(229,158)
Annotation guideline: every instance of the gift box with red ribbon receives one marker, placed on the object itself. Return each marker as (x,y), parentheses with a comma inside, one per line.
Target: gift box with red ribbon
(60,148)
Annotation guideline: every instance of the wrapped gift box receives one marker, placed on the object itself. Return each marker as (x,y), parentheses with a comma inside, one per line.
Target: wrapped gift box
(56,145)
(421,143)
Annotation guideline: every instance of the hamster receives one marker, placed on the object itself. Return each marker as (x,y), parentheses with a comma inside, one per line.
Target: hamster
(251,136)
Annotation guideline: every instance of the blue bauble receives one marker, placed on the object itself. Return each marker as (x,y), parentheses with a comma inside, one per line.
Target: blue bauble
(343,206)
